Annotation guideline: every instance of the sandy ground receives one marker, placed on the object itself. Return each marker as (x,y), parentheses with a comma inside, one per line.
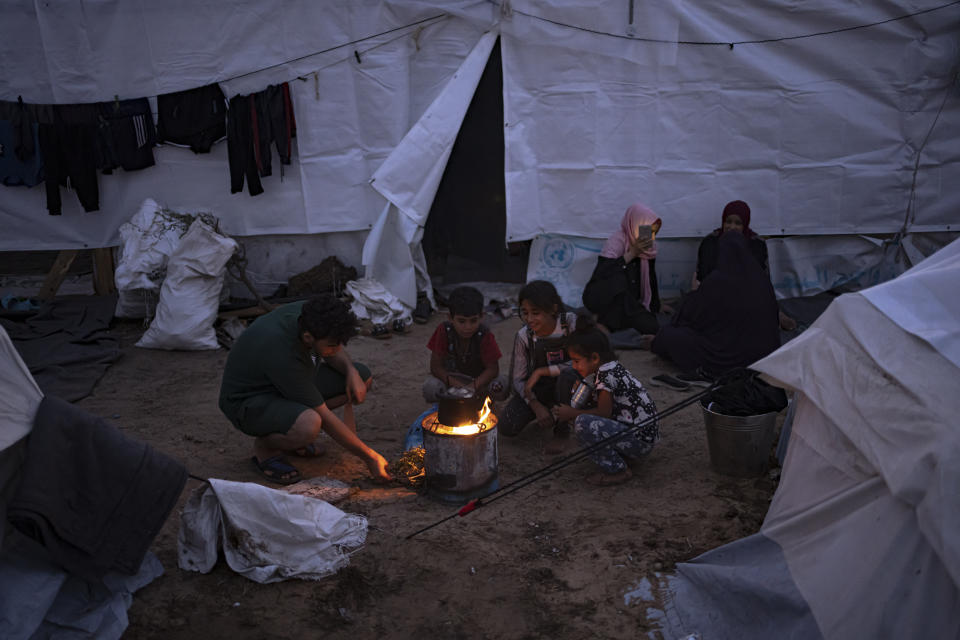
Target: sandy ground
(553,560)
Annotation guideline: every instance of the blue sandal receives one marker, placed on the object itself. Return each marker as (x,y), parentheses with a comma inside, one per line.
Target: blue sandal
(277,469)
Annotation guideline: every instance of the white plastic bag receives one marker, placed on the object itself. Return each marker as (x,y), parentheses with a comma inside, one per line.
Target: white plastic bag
(190,295)
(372,300)
(267,535)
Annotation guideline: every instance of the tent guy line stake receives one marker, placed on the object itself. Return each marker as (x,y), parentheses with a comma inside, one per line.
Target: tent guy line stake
(576,456)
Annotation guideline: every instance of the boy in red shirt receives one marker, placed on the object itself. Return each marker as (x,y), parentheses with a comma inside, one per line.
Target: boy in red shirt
(464,352)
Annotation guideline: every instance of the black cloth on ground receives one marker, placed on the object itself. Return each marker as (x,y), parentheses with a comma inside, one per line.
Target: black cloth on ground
(613,294)
(195,118)
(93,497)
(707,254)
(730,321)
(67,344)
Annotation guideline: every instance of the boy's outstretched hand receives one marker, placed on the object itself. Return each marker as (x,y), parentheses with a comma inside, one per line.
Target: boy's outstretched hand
(377,465)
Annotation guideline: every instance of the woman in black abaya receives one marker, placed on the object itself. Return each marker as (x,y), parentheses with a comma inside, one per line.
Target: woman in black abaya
(730,321)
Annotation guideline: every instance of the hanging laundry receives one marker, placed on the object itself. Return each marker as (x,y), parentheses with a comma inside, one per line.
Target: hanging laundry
(68,142)
(127,135)
(195,118)
(240,143)
(254,122)
(20,160)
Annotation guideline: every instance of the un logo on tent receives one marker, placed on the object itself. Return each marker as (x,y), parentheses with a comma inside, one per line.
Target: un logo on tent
(557,253)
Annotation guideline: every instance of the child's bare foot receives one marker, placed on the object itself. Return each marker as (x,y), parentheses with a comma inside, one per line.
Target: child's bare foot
(601,479)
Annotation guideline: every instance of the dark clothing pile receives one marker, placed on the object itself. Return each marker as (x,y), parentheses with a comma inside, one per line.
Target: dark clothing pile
(92,497)
(731,321)
(613,294)
(746,395)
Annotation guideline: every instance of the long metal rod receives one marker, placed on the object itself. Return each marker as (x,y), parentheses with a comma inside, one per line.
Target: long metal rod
(567,460)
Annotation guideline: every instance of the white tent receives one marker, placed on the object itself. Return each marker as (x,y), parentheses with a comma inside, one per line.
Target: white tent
(862,539)
(831,121)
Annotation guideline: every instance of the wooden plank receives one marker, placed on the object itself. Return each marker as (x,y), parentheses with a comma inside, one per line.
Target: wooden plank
(103,283)
(248,312)
(57,273)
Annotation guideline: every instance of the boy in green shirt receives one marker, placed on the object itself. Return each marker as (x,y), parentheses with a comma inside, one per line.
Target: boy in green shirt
(283,376)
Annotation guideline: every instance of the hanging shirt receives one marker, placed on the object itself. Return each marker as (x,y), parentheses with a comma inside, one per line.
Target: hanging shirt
(195,118)
(127,135)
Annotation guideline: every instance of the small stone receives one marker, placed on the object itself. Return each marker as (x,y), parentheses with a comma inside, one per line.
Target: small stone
(473,571)
(115,416)
(657,566)
(236,604)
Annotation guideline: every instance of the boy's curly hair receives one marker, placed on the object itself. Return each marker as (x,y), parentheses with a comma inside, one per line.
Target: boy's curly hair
(326,316)
(465,301)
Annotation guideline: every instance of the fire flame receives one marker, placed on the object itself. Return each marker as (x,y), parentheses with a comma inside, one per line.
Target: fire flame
(469,429)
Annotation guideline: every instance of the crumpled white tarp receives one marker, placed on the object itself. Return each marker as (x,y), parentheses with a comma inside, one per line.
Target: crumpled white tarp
(267,535)
(19,398)
(19,394)
(190,294)
(866,511)
(372,301)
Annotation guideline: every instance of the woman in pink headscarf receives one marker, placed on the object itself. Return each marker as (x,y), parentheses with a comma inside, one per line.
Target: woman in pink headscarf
(622,291)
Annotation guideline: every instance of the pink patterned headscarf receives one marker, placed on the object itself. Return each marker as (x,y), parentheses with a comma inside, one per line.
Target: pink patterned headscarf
(617,244)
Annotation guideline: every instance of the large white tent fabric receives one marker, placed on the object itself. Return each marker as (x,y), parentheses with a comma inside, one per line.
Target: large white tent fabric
(820,134)
(862,539)
(823,126)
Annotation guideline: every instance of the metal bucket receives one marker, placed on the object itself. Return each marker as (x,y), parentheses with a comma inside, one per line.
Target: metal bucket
(458,468)
(739,445)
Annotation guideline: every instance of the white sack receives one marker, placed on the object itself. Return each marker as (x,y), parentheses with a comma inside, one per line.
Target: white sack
(146,242)
(267,535)
(372,300)
(190,295)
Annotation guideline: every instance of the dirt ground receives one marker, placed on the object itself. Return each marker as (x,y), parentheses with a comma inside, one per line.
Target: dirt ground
(552,560)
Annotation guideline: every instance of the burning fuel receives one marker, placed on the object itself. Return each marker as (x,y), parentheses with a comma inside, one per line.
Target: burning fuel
(466,429)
